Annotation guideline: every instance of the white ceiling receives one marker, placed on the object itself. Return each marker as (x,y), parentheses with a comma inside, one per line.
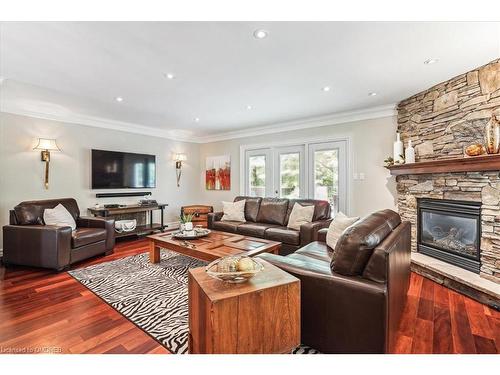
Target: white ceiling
(76,70)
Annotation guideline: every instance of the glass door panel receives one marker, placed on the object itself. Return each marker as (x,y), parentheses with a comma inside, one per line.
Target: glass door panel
(328,166)
(290,173)
(257,175)
(258,180)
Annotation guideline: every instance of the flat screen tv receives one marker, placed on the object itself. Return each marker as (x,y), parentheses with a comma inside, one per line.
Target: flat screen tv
(122,170)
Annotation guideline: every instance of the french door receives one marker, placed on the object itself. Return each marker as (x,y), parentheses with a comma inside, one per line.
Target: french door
(309,170)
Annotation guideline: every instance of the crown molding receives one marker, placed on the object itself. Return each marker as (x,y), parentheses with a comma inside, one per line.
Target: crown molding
(311,122)
(306,123)
(97,122)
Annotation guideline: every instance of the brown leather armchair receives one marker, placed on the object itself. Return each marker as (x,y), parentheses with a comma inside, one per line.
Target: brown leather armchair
(352,299)
(28,242)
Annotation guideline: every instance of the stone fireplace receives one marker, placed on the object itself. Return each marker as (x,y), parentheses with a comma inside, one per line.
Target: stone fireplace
(441,122)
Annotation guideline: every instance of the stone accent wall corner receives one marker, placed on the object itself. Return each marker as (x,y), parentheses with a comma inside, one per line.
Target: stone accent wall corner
(441,121)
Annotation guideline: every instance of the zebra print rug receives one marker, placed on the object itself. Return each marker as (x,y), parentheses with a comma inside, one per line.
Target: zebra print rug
(152,296)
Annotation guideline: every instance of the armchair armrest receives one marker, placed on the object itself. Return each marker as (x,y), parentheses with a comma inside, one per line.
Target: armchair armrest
(46,246)
(334,306)
(99,222)
(213,217)
(309,231)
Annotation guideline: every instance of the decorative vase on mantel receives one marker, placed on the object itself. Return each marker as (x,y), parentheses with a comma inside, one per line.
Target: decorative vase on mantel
(398,150)
(409,153)
(492,135)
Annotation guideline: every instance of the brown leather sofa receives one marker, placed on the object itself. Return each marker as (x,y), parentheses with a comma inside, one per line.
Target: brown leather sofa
(28,242)
(268,218)
(352,299)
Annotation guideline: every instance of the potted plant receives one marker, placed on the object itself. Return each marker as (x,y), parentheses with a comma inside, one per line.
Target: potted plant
(186,222)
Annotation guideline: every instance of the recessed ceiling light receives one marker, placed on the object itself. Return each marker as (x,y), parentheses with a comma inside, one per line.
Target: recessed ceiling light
(431,61)
(326,88)
(249,107)
(169,76)
(119,99)
(196,119)
(260,34)
(372,94)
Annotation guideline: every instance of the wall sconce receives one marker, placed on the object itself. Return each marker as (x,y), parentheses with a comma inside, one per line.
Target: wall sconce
(179,158)
(45,146)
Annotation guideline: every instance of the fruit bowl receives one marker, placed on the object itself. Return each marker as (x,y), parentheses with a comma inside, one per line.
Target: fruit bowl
(234,269)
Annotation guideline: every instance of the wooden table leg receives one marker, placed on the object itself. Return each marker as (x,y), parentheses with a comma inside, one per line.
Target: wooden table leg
(154,252)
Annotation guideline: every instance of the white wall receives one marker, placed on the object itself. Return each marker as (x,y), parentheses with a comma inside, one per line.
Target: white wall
(21,171)
(371,143)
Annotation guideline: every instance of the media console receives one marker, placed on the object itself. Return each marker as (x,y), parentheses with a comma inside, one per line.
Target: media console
(138,212)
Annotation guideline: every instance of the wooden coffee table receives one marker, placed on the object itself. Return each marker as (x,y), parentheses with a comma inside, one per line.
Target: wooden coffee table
(214,246)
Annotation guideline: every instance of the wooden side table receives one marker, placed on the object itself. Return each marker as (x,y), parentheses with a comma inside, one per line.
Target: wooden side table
(259,316)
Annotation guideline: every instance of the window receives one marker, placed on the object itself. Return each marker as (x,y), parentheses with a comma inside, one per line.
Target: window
(285,172)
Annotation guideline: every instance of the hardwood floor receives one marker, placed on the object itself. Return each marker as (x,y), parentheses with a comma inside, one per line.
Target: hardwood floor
(42,310)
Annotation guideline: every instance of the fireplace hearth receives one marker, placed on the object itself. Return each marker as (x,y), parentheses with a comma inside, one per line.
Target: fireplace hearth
(450,230)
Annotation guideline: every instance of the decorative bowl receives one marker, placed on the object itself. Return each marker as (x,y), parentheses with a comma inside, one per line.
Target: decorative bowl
(191,234)
(228,269)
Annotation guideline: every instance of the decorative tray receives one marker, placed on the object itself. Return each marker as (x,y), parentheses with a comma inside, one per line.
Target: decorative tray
(234,269)
(191,234)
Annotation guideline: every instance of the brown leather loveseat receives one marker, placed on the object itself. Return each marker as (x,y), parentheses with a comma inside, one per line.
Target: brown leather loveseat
(268,218)
(352,298)
(28,242)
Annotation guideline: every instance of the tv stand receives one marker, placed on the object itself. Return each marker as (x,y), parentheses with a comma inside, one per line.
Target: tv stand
(132,212)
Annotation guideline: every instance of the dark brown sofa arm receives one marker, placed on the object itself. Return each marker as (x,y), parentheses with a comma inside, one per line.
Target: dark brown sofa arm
(213,217)
(309,231)
(45,246)
(98,222)
(333,306)
(322,234)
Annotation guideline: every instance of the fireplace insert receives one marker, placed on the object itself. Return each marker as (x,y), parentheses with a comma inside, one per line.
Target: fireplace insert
(450,230)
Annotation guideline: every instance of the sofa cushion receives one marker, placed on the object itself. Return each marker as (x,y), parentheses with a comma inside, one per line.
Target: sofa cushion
(252,205)
(322,209)
(283,234)
(316,250)
(233,211)
(339,223)
(85,236)
(59,216)
(356,244)
(300,215)
(69,203)
(226,226)
(273,211)
(29,214)
(253,229)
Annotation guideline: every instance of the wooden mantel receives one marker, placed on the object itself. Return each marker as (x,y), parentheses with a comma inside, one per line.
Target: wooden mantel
(467,164)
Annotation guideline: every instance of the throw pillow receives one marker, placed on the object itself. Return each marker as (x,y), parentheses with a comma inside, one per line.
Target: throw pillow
(233,211)
(59,216)
(339,223)
(300,215)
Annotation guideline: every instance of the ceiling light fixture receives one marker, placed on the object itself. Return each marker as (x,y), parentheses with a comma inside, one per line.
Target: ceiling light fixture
(326,88)
(372,94)
(431,61)
(196,119)
(119,99)
(169,76)
(260,34)
(249,107)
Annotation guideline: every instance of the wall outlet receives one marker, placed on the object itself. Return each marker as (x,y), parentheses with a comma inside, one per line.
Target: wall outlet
(355,176)
(361,176)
